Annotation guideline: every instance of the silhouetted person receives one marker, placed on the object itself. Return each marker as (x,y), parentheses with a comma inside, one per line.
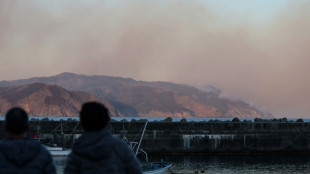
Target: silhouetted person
(97,151)
(19,154)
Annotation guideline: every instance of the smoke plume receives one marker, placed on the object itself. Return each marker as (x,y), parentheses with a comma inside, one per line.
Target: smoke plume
(180,41)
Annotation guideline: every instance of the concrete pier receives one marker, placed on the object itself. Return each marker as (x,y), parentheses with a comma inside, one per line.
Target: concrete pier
(191,137)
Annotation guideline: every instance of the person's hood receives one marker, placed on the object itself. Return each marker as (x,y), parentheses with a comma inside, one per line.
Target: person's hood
(94,145)
(19,151)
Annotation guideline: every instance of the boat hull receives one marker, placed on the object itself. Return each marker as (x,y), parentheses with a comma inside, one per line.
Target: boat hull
(63,153)
(160,169)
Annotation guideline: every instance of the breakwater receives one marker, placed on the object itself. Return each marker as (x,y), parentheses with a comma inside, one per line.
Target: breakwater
(190,137)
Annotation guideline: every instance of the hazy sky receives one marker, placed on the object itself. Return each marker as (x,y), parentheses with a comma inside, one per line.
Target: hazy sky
(256,50)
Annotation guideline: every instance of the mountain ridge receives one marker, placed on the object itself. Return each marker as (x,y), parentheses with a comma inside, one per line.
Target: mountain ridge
(40,99)
(129,97)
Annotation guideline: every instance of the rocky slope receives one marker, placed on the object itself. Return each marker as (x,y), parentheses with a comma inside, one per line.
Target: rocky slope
(46,100)
(139,98)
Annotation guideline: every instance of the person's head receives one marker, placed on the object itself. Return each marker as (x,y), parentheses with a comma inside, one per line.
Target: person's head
(94,116)
(16,122)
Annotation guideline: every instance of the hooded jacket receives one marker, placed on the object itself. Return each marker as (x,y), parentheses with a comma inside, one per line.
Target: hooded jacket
(25,156)
(100,152)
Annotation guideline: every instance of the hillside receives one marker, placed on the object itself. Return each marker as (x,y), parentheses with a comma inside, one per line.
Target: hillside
(46,100)
(140,98)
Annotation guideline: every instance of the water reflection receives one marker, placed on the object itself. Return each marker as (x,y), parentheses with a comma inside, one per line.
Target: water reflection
(60,163)
(275,164)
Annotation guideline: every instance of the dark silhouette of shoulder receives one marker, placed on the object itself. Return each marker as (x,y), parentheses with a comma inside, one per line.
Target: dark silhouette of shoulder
(26,156)
(97,151)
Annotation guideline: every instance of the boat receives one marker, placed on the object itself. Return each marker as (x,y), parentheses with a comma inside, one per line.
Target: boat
(155,168)
(148,167)
(58,151)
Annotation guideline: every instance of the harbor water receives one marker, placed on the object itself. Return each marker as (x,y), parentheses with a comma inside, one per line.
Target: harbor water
(244,164)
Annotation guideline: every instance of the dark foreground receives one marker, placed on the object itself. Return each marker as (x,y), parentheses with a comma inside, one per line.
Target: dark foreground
(258,164)
(191,137)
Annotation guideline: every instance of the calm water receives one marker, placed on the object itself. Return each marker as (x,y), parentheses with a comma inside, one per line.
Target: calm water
(258,164)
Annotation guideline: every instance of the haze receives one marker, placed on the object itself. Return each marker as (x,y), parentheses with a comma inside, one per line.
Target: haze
(256,50)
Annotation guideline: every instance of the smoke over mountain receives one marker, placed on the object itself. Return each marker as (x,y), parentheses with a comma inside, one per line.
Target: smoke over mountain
(192,42)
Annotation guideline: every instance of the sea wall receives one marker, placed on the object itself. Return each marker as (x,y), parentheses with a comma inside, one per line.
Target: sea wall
(190,137)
